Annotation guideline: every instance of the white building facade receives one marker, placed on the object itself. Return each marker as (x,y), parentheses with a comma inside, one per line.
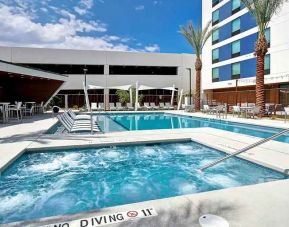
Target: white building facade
(108,69)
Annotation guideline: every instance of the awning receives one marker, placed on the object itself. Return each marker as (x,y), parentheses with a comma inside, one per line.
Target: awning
(169,88)
(123,87)
(94,87)
(144,87)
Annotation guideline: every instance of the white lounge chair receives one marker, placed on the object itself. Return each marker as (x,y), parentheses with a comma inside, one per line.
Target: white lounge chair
(168,105)
(78,117)
(163,107)
(100,106)
(119,106)
(129,106)
(147,106)
(111,106)
(76,126)
(153,105)
(94,106)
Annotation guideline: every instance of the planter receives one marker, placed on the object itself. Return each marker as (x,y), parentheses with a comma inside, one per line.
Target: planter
(55,109)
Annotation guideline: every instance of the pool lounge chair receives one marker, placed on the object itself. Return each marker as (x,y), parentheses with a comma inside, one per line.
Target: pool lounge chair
(163,107)
(129,106)
(111,106)
(254,112)
(119,106)
(153,105)
(236,110)
(169,106)
(100,106)
(78,117)
(76,126)
(94,106)
(147,106)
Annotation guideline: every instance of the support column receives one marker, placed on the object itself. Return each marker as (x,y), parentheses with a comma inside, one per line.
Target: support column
(66,101)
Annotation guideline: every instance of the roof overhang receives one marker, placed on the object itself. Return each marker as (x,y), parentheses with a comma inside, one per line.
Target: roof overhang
(26,71)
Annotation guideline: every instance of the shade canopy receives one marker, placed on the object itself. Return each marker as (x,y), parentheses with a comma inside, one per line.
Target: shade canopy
(144,87)
(169,88)
(89,86)
(123,87)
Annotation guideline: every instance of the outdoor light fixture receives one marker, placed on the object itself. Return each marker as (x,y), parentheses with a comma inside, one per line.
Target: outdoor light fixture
(85,71)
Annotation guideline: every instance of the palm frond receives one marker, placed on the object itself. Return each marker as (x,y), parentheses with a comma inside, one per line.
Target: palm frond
(196,36)
(263,11)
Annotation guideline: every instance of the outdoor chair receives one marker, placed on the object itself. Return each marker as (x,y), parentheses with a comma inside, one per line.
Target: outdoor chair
(206,109)
(112,106)
(129,106)
(147,106)
(94,106)
(119,106)
(236,110)
(28,111)
(169,106)
(163,107)
(100,106)
(269,109)
(39,108)
(254,112)
(153,105)
(286,110)
(16,109)
(76,126)
(78,117)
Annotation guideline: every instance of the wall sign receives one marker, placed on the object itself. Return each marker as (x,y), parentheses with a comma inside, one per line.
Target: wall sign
(107,219)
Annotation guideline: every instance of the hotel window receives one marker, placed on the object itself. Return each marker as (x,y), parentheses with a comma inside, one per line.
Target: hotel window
(215,56)
(267,65)
(268,36)
(216,17)
(236,6)
(215,36)
(236,26)
(236,70)
(215,75)
(215,2)
(236,48)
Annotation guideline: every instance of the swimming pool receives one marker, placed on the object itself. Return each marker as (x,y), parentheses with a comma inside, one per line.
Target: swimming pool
(66,182)
(135,122)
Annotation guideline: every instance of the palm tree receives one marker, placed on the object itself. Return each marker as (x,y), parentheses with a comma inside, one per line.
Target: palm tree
(197,39)
(263,11)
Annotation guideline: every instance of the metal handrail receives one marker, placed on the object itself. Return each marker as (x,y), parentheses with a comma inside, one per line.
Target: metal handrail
(245,149)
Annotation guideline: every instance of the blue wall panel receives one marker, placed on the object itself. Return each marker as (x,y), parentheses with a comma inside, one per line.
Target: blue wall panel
(248,68)
(248,44)
(225,73)
(225,32)
(225,11)
(225,52)
(247,22)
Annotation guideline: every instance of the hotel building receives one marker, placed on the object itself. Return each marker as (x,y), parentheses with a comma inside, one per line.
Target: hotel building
(228,57)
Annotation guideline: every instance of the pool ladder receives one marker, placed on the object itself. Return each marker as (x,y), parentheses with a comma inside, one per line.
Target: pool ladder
(245,149)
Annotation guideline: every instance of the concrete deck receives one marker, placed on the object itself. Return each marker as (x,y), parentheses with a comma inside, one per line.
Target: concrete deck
(263,205)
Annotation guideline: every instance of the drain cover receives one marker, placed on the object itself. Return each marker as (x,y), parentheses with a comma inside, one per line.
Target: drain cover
(210,220)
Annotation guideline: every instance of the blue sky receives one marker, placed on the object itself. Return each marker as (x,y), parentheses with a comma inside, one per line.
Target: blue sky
(124,25)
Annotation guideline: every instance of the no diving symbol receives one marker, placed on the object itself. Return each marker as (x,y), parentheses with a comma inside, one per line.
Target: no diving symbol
(132,214)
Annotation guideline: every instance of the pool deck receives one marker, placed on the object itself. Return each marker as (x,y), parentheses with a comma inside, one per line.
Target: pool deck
(257,205)
(262,205)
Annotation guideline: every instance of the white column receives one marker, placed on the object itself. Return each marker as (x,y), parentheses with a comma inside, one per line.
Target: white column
(130,95)
(173,94)
(136,96)
(66,101)
(180,100)
(106,98)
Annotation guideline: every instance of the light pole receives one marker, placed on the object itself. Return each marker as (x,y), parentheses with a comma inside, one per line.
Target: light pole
(85,71)
(190,92)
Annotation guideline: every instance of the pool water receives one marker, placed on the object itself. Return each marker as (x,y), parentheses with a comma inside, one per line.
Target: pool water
(66,182)
(135,122)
